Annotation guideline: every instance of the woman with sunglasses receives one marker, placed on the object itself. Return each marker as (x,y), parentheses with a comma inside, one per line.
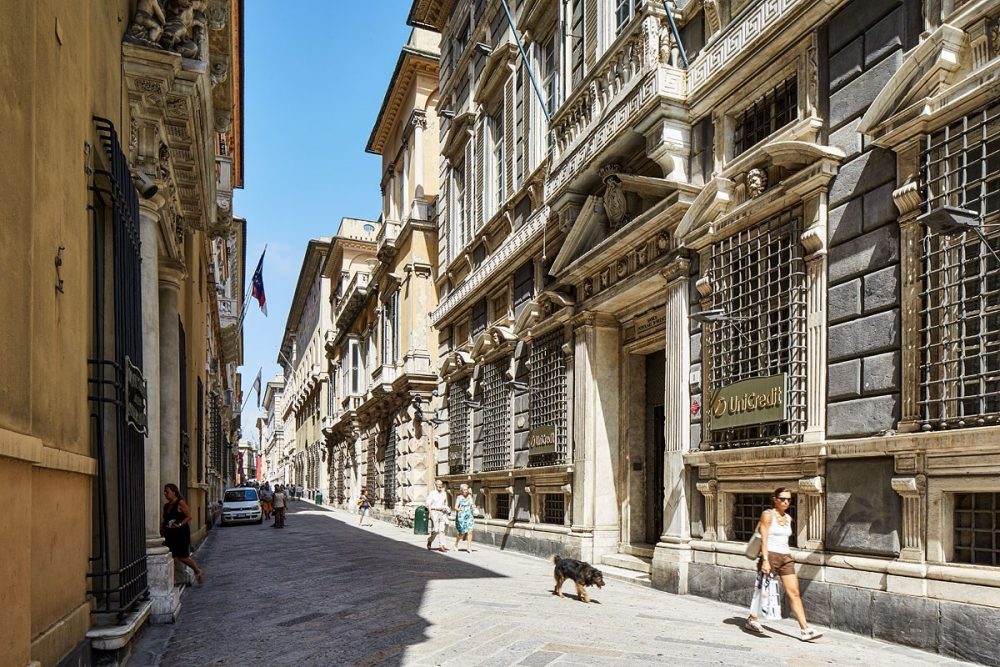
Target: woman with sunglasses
(776,559)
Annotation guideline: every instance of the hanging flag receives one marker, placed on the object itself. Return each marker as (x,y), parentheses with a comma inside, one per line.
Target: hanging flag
(257,285)
(256,385)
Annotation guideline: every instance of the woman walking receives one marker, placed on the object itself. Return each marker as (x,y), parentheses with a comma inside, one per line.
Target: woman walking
(464,517)
(364,504)
(279,502)
(176,529)
(776,560)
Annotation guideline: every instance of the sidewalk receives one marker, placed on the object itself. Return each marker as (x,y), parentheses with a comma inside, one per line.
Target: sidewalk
(331,593)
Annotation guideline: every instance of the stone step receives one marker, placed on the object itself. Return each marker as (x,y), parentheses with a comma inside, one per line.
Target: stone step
(628,562)
(627,576)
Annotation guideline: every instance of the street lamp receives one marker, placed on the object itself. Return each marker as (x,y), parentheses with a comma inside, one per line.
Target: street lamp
(954,221)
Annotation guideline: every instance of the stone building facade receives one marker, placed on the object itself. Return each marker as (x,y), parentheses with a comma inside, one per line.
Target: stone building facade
(123,143)
(273,432)
(785,204)
(302,358)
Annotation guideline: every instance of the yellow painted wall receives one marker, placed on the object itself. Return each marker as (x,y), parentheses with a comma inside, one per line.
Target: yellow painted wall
(59,66)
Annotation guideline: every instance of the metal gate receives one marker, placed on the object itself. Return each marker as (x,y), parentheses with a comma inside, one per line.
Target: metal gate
(116,387)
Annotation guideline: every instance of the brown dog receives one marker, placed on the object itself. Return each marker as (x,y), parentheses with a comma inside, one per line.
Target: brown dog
(584,574)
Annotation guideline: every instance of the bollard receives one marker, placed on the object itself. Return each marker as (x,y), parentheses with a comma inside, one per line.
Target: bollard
(420,521)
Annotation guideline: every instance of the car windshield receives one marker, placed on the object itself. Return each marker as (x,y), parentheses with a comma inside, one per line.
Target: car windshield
(240,495)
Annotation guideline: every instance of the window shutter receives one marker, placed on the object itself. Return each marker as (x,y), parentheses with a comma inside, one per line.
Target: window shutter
(508,135)
(480,150)
(590,33)
(469,193)
(443,212)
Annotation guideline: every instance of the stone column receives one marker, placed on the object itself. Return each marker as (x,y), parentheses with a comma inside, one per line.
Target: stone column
(149,233)
(709,489)
(595,434)
(171,274)
(419,125)
(673,552)
(159,563)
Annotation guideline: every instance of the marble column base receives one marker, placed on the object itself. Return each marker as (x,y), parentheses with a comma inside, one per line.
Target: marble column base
(165,596)
(670,564)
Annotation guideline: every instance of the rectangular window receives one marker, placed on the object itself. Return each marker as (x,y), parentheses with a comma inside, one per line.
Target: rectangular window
(390,329)
(496,422)
(701,163)
(480,317)
(503,506)
(355,368)
(389,470)
(458,423)
(777,108)
(960,335)
(547,70)
(547,397)
(759,280)
(624,11)
(519,123)
(977,528)
(554,508)
(747,510)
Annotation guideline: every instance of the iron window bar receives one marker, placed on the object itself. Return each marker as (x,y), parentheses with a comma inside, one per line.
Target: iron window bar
(554,508)
(766,115)
(759,301)
(389,473)
(547,394)
(960,308)
(747,510)
(977,529)
(458,420)
(497,415)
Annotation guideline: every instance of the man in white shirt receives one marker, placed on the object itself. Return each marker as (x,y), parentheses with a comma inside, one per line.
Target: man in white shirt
(437,503)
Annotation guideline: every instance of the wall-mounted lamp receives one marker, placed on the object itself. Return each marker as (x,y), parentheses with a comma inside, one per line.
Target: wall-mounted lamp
(954,221)
(446,113)
(483,48)
(720,315)
(145,185)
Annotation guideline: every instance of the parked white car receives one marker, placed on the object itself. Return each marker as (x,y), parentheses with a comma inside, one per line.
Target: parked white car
(241,505)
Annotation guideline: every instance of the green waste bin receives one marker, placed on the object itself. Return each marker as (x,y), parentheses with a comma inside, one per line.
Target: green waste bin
(420,521)
(319,498)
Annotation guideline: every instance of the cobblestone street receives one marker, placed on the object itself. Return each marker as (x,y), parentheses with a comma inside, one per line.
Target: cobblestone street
(326,592)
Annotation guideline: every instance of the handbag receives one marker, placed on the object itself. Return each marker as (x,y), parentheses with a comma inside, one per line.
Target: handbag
(766,601)
(752,550)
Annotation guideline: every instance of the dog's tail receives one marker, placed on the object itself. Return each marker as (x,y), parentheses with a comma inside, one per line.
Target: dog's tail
(555,559)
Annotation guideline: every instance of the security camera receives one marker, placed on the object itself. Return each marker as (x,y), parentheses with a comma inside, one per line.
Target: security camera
(145,185)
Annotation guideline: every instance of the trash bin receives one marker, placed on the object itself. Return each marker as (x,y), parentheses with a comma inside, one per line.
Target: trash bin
(420,521)
(319,498)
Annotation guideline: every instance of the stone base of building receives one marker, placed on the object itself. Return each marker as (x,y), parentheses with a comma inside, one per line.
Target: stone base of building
(164,595)
(952,629)
(112,645)
(533,539)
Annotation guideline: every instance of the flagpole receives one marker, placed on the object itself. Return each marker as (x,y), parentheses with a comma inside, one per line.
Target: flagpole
(243,407)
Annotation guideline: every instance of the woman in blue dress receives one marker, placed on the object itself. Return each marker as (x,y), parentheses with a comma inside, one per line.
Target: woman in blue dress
(464,517)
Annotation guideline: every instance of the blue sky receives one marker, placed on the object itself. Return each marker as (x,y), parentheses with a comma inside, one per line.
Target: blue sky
(315,75)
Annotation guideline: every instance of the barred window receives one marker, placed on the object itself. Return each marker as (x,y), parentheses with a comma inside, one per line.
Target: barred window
(960,317)
(547,396)
(458,421)
(554,508)
(767,115)
(977,528)
(747,508)
(340,476)
(371,477)
(496,426)
(389,470)
(502,506)
(758,276)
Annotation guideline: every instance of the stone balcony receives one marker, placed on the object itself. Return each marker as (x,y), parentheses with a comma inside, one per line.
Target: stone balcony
(354,297)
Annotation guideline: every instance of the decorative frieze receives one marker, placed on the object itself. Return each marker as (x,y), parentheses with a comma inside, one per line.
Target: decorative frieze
(626,265)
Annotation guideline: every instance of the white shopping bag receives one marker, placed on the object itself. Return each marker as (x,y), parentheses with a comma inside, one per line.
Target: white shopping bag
(766,601)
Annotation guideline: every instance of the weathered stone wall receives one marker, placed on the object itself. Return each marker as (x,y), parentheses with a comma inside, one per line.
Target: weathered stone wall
(860,48)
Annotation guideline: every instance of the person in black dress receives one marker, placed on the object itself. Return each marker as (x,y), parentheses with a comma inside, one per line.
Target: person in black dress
(176,530)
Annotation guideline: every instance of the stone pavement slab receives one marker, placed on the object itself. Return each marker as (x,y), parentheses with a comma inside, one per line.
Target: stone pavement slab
(324,591)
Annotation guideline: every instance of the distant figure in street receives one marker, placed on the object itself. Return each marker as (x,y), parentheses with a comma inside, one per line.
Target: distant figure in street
(176,530)
(776,558)
(464,517)
(364,504)
(266,496)
(279,503)
(437,503)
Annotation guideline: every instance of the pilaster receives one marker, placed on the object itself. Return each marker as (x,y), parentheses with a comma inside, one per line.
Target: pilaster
(710,490)
(171,274)
(913,490)
(815,244)
(812,513)
(907,199)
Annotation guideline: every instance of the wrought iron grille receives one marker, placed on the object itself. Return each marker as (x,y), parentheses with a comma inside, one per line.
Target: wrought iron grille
(458,420)
(960,317)
(340,477)
(503,506)
(496,422)
(767,115)
(747,509)
(547,394)
(977,528)
(215,433)
(200,434)
(371,481)
(758,276)
(554,508)
(389,471)
(116,388)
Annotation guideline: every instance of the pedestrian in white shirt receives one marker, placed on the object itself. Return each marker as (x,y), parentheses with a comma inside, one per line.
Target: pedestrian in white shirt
(437,503)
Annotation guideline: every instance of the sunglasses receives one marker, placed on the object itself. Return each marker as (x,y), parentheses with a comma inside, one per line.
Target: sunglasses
(784,500)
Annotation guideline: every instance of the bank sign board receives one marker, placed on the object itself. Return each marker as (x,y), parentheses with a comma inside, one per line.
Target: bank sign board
(542,440)
(754,401)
